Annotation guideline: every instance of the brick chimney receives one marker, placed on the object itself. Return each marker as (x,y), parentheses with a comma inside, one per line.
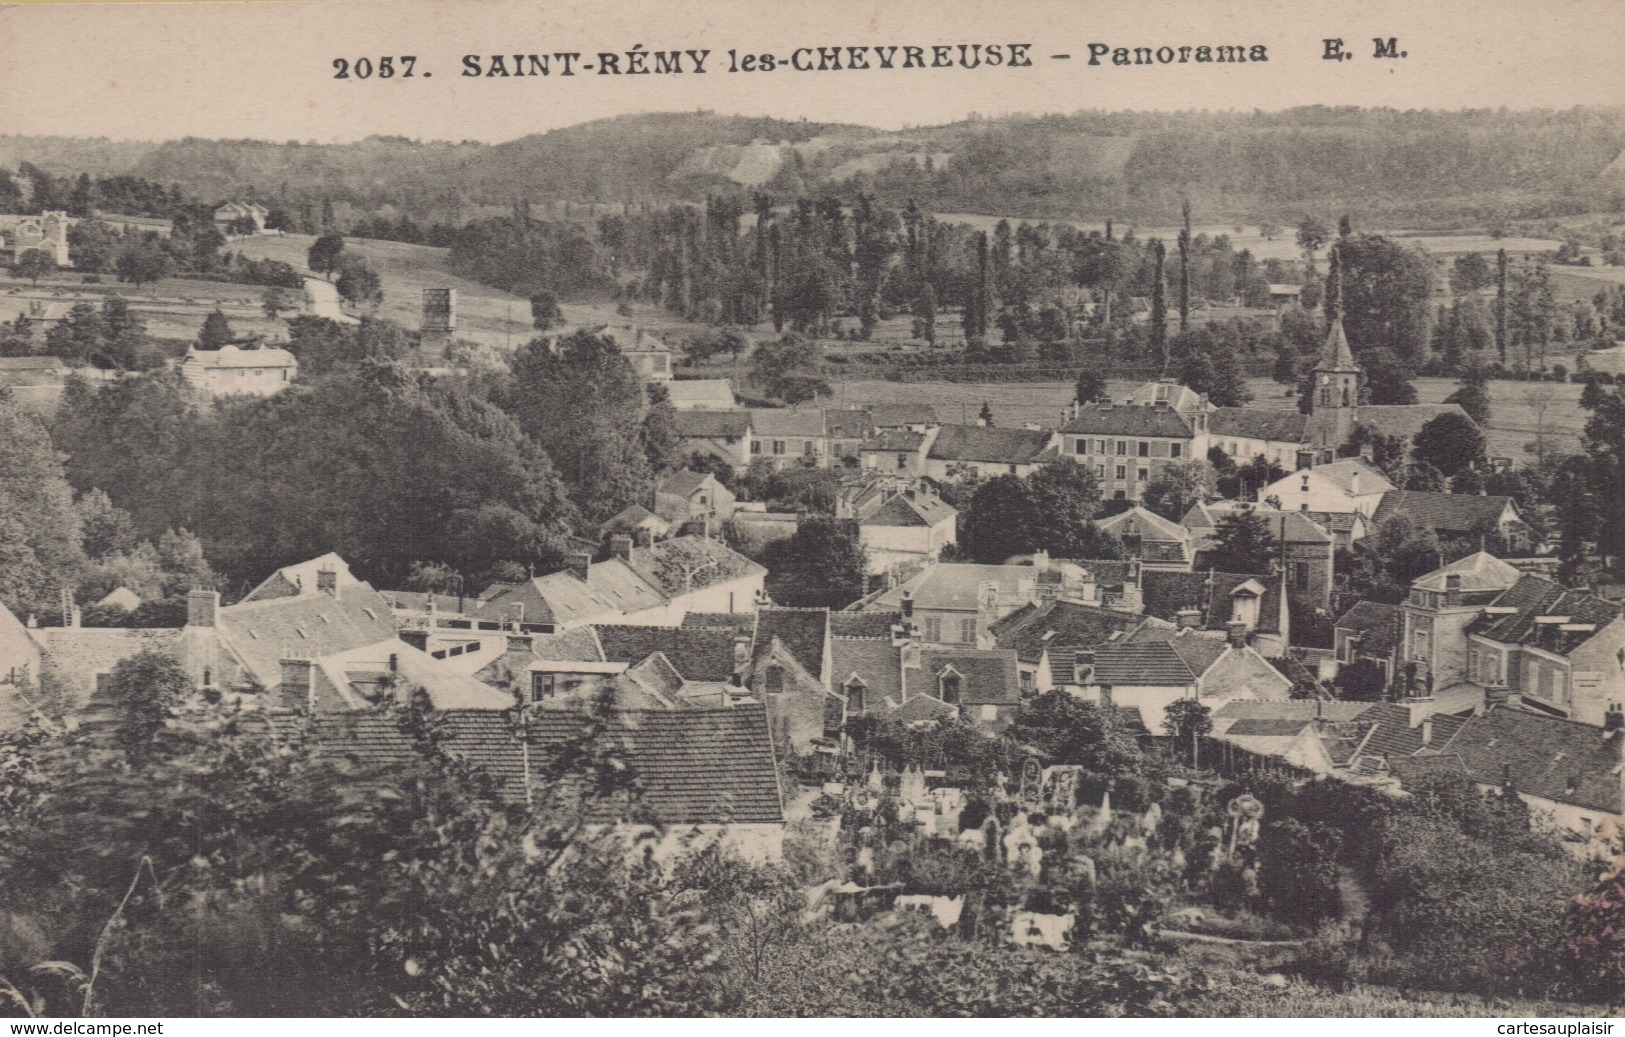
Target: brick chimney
(908,604)
(200,608)
(1452,591)
(1190,619)
(1306,460)
(521,643)
(579,563)
(327,581)
(620,546)
(1237,634)
(1427,730)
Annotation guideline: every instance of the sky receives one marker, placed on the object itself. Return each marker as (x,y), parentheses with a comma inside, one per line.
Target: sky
(264,68)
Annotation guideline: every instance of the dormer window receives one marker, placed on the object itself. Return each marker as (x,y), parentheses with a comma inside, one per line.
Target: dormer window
(855,690)
(948,687)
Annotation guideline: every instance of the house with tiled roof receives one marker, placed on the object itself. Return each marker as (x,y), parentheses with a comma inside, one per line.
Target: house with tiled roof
(1156,542)
(845,430)
(697,654)
(637,522)
(909,529)
(1127,445)
(897,452)
(653,585)
(1306,550)
(984,685)
(1350,485)
(1049,639)
(685,495)
(1434,619)
(787,436)
(894,416)
(957,603)
(1468,515)
(1217,601)
(1246,433)
(1317,735)
(1369,630)
(1569,773)
(790,669)
(1154,667)
(231,371)
(699,777)
(723,434)
(982,451)
(1551,650)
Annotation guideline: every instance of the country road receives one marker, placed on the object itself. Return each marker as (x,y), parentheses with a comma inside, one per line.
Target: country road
(324,301)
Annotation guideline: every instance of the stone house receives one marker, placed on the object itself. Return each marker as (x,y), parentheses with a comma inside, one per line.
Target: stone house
(982,451)
(1154,667)
(723,434)
(1434,620)
(910,528)
(1350,485)
(230,371)
(1156,542)
(787,437)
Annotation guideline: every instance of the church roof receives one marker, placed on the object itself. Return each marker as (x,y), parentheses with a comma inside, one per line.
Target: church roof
(1337,356)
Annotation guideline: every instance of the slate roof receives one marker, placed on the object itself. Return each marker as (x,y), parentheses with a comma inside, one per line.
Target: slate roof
(1376,624)
(733,622)
(863,624)
(1280,426)
(782,421)
(1108,419)
(923,509)
(876,662)
(1479,571)
(1165,662)
(922,709)
(1554,759)
(684,482)
(1335,355)
(1446,512)
(1166,594)
(688,766)
(1147,525)
(803,633)
(310,625)
(894,441)
(1395,735)
(671,566)
(896,415)
(697,654)
(990,677)
(1536,596)
(991,445)
(712,424)
(1031,630)
(1403,420)
(1177,396)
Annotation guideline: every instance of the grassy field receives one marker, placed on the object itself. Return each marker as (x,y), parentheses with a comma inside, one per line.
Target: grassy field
(1512,422)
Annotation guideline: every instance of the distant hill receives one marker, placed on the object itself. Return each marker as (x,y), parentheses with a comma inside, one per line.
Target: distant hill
(1435,169)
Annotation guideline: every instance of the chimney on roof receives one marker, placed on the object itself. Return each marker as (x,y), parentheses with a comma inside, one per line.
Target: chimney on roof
(297,685)
(1189,619)
(1306,460)
(908,604)
(1613,720)
(200,607)
(418,639)
(1452,590)
(521,643)
(1354,482)
(643,537)
(741,649)
(394,662)
(327,581)
(1237,633)
(579,563)
(620,545)
(1427,730)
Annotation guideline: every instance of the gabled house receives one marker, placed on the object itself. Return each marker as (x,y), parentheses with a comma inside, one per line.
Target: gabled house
(637,522)
(894,678)
(1434,619)
(1156,542)
(897,452)
(909,529)
(845,430)
(786,437)
(723,434)
(982,451)
(956,603)
(1246,433)
(1315,734)
(983,685)
(701,394)
(1216,601)
(1127,445)
(789,670)
(686,495)
(1350,485)
(1155,666)
(1463,515)
(1050,638)
(1369,630)
(230,371)
(1306,549)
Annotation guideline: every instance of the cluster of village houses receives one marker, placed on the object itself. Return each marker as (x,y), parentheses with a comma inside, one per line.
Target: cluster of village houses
(1494,670)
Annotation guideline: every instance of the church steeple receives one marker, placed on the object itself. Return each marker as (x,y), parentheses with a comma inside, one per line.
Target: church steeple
(1338,377)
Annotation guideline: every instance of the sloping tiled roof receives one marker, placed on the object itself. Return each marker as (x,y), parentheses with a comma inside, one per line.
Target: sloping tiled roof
(877,663)
(1289,709)
(863,624)
(1341,474)
(1147,663)
(689,766)
(1447,512)
(1376,624)
(1280,426)
(712,424)
(990,677)
(1480,571)
(895,441)
(922,709)
(847,424)
(1403,420)
(922,509)
(1147,525)
(1060,624)
(894,415)
(683,482)
(1106,419)
(782,421)
(958,585)
(803,633)
(1166,594)
(1394,735)
(309,625)
(1299,527)
(80,653)
(1554,759)
(700,392)
(991,445)
(733,622)
(698,654)
(690,563)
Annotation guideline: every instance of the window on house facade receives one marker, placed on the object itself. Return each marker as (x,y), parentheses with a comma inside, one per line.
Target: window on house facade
(1122,472)
(1419,645)
(773,680)
(809,448)
(1122,447)
(1300,575)
(902,461)
(1080,446)
(1100,471)
(543,686)
(1176,449)
(1143,474)
(1100,446)
(948,687)
(1145,449)
(1305,486)
(755,446)
(967,631)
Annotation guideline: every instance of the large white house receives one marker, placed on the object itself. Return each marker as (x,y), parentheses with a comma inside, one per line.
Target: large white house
(230,371)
